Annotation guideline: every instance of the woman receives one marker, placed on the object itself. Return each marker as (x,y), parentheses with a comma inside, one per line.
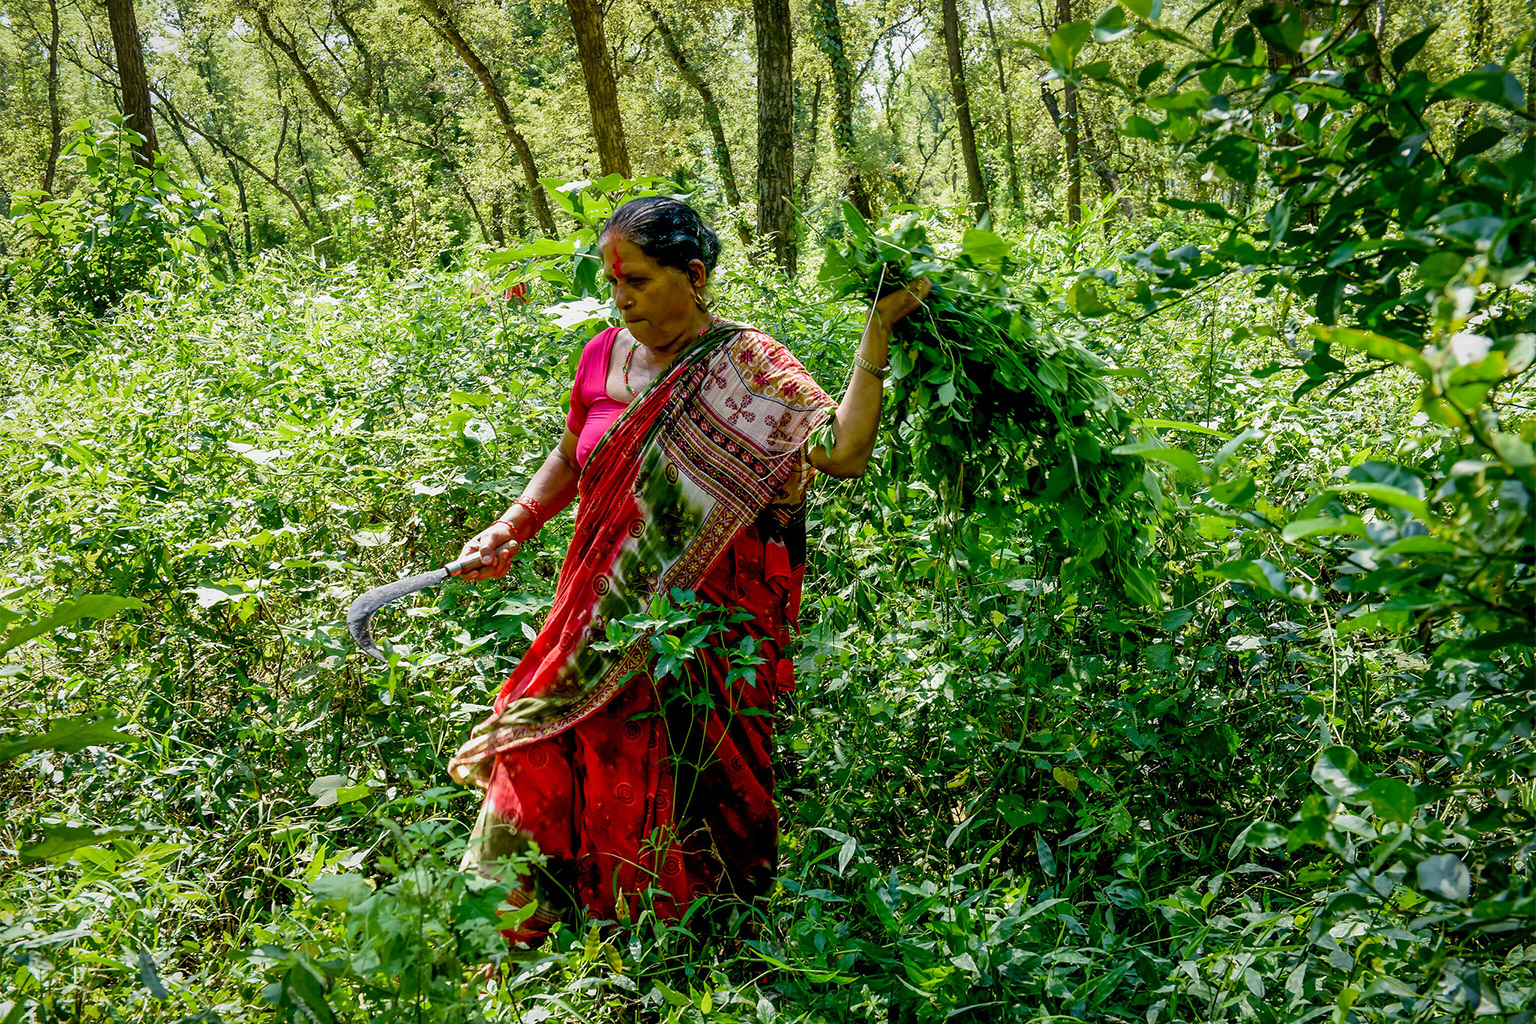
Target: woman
(688,444)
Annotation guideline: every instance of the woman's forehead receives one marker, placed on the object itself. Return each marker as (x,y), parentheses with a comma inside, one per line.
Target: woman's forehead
(619,251)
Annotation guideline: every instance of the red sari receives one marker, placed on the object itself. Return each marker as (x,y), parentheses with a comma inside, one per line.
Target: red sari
(633,795)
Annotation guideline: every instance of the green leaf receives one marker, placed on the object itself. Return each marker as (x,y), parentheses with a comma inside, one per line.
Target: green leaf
(1181,425)
(984,246)
(1176,457)
(1409,48)
(1151,73)
(1111,25)
(1480,141)
(1444,876)
(858,227)
(1386,494)
(1340,772)
(1148,9)
(1379,347)
(1138,127)
(539,247)
(1237,492)
(149,977)
(1084,297)
(1391,799)
(1328,297)
(351,889)
(1140,586)
(69,736)
(1066,42)
(1488,84)
(559,191)
(1259,573)
(91,606)
(1213,210)
(60,841)
(1279,22)
(1323,525)
(1046,857)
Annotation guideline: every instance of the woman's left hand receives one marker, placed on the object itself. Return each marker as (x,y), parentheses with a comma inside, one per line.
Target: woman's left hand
(887,312)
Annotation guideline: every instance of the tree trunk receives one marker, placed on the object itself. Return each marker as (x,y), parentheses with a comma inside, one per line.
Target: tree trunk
(974,180)
(134,79)
(828,30)
(775,131)
(313,87)
(439,19)
(1108,179)
(1379,30)
(55,123)
(711,108)
(810,143)
(1002,89)
(602,93)
(497,232)
(1069,129)
(245,206)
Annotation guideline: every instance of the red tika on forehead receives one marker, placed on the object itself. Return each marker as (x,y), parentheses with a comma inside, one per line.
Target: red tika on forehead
(613,253)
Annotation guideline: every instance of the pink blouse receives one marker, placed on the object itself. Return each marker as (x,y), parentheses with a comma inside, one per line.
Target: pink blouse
(593,410)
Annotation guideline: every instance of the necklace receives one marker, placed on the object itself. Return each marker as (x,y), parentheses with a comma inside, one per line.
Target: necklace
(629,357)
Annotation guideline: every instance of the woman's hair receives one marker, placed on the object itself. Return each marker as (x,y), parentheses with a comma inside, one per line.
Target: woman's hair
(667,230)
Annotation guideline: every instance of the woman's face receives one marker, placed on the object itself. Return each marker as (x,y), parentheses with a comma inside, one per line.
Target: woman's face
(656,302)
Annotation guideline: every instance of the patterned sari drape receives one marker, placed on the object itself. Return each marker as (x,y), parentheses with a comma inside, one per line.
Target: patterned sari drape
(574,752)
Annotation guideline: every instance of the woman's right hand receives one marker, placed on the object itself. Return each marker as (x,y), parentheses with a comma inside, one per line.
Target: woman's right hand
(486,541)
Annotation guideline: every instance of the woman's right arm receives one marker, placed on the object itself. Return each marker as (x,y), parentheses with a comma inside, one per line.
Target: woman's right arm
(550,490)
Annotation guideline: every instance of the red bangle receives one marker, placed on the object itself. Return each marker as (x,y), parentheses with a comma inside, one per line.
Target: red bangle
(534,509)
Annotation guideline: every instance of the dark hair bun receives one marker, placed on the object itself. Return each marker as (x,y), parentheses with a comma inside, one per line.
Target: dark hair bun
(667,230)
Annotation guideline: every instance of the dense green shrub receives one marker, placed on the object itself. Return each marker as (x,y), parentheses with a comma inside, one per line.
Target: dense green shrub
(125,227)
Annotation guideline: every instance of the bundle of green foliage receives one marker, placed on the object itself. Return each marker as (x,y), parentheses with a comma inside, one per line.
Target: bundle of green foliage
(125,228)
(999,416)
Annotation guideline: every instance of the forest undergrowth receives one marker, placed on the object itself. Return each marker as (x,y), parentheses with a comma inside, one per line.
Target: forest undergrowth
(1001,797)
(1227,716)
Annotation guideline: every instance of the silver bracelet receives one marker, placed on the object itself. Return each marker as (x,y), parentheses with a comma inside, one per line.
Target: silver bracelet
(880,372)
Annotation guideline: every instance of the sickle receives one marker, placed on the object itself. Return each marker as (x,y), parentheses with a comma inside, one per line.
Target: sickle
(360,614)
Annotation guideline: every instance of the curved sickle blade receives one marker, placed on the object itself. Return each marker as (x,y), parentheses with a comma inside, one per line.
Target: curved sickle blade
(360,615)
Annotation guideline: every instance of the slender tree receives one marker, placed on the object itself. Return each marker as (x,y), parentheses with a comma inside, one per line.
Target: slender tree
(1002,89)
(343,17)
(49,38)
(775,131)
(1068,126)
(286,42)
(976,184)
(707,98)
(1080,129)
(808,166)
(602,93)
(439,18)
(828,33)
(216,139)
(133,79)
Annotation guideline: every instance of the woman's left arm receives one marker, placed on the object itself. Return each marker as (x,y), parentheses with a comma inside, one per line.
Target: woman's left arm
(856,423)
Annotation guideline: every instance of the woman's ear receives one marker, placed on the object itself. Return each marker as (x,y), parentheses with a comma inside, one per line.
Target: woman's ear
(698,273)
